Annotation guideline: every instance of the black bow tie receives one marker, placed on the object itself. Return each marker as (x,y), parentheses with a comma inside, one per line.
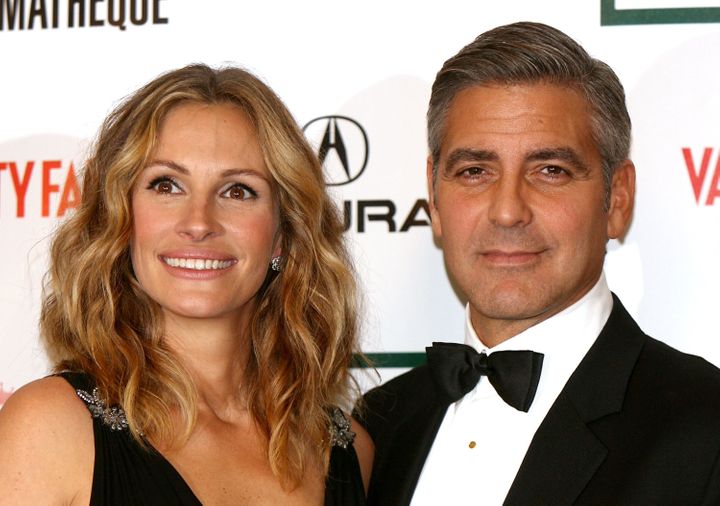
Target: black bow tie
(456,369)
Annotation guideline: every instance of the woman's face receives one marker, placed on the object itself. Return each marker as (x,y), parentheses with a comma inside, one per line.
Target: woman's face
(205,218)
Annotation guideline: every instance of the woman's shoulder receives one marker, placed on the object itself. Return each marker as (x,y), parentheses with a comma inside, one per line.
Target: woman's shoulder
(47,452)
(50,398)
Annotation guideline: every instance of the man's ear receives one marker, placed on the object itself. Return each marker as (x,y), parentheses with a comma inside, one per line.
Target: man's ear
(432,201)
(622,200)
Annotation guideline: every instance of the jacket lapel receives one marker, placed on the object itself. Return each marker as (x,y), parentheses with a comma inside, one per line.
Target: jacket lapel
(565,454)
(562,458)
(408,443)
(414,441)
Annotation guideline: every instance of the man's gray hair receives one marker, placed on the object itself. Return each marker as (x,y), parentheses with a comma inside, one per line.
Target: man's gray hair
(532,53)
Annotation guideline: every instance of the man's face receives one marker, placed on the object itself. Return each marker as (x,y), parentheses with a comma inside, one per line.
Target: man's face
(518,204)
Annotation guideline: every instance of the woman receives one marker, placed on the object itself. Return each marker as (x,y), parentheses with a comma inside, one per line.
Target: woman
(200,313)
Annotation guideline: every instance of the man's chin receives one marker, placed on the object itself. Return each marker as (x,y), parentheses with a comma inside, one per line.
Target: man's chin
(509,305)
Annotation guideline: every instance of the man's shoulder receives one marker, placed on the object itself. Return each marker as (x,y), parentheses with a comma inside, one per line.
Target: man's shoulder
(660,374)
(676,387)
(407,382)
(398,397)
(682,370)
(401,390)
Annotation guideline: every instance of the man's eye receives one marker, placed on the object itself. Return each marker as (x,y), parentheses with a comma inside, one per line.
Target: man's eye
(554,170)
(472,172)
(239,192)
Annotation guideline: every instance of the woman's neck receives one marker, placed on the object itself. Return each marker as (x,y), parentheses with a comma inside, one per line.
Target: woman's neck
(215,353)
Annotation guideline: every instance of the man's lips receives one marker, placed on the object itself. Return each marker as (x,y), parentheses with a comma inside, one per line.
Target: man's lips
(510,257)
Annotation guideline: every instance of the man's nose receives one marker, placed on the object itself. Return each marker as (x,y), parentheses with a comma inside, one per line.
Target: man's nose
(509,206)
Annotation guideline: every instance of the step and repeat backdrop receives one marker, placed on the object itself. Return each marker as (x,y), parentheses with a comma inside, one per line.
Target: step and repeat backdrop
(360,73)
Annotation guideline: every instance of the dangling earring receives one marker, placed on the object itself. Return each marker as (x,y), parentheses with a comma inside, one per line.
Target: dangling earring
(276,263)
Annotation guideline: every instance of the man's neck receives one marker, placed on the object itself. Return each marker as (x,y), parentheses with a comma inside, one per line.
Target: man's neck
(492,331)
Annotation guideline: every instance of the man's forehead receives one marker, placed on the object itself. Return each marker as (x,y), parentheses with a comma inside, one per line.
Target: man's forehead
(508,101)
(535,117)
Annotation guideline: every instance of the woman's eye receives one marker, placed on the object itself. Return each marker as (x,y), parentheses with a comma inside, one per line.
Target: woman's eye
(239,192)
(164,185)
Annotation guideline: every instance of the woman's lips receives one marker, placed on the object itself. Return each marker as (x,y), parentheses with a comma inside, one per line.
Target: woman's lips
(198,264)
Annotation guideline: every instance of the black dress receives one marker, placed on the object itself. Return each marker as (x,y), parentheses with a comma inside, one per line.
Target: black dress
(127,474)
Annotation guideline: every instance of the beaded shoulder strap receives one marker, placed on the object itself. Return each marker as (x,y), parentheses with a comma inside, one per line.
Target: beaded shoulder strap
(112,417)
(340,433)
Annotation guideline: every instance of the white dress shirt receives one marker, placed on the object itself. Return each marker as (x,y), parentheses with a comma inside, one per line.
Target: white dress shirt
(482,440)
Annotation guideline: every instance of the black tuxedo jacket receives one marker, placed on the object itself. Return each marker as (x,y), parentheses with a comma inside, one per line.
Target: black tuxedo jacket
(637,423)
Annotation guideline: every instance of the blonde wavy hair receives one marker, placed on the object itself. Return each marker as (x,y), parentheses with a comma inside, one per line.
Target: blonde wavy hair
(97,319)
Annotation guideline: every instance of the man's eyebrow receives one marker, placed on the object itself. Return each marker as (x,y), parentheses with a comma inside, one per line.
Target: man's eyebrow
(226,173)
(564,154)
(469,155)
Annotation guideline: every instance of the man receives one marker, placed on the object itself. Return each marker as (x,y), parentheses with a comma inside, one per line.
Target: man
(529,177)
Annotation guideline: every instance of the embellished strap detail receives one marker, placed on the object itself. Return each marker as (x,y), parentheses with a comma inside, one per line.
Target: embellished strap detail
(340,433)
(112,417)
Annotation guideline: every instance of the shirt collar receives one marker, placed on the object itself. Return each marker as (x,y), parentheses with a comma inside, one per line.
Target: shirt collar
(563,339)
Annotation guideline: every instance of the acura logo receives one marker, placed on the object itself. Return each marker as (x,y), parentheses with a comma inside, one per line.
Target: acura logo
(342,147)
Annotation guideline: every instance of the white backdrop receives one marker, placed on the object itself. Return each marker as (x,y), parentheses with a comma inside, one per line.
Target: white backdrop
(372,62)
